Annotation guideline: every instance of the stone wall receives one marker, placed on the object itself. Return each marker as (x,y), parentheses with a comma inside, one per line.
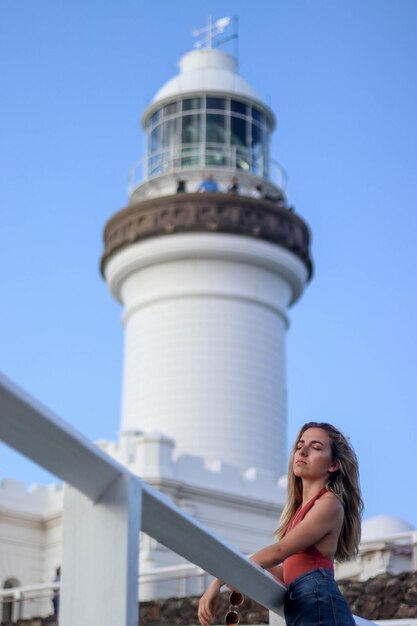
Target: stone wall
(34,621)
(383,597)
(184,611)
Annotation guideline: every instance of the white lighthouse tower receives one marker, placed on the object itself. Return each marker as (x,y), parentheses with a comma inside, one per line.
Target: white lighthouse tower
(205,279)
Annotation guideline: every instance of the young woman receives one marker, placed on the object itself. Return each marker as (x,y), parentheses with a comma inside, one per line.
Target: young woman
(320,522)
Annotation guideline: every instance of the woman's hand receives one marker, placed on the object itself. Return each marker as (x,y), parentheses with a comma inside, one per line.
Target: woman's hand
(208,603)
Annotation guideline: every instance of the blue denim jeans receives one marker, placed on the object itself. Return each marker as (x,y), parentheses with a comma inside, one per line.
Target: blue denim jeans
(314,599)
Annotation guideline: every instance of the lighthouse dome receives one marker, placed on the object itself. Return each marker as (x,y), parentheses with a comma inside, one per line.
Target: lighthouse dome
(206,70)
(382,526)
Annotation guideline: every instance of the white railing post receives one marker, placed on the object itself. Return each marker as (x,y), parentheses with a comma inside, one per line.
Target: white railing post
(19,602)
(100,556)
(275,619)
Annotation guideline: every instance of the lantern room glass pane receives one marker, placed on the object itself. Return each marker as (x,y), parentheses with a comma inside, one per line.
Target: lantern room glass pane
(191,129)
(257,150)
(155,117)
(190,157)
(169,133)
(238,131)
(215,156)
(155,148)
(257,115)
(191,103)
(242,158)
(170,108)
(155,139)
(215,128)
(215,103)
(238,107)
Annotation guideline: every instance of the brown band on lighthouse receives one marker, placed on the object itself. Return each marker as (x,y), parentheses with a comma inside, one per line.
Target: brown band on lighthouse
(205,213)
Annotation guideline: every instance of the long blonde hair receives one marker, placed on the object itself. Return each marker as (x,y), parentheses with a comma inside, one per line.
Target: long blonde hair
(344,483)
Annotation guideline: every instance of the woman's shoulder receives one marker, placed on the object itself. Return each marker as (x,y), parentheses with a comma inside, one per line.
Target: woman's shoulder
(329,501)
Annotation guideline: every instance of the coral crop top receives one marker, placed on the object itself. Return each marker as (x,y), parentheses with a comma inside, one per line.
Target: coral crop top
(308,559)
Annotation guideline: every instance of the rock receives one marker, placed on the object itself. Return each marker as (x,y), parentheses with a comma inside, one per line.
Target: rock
(411,596)
(375,586)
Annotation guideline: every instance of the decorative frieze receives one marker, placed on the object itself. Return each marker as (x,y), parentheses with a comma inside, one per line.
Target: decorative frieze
(209,212)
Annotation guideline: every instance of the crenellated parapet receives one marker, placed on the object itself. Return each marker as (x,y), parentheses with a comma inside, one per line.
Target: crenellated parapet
(36,500)
(154,457)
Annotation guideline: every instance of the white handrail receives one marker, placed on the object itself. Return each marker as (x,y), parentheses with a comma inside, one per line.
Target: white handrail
(17,592)
(201,156)
(37,433)
(175,570)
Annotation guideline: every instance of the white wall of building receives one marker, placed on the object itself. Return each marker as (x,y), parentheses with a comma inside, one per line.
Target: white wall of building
(30,537)
(389,544)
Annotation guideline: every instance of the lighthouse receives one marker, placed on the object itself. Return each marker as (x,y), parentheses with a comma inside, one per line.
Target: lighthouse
(206,259)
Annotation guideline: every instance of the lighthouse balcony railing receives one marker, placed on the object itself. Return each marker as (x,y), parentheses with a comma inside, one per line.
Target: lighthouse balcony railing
(105,507)
(203,156)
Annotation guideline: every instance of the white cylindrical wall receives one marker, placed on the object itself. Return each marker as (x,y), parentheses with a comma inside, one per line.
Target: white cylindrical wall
(204,346)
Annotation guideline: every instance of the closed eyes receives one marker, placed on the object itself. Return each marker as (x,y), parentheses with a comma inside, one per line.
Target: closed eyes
(315,447)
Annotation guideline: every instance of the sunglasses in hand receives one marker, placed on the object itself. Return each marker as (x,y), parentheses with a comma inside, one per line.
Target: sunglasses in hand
(235,601)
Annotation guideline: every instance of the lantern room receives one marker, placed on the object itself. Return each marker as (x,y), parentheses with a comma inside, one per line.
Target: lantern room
(207,120)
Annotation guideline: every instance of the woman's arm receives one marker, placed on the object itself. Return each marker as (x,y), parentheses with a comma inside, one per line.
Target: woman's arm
(277,572)
(208,602)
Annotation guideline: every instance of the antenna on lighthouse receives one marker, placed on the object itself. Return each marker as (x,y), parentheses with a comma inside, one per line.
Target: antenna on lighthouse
(210,31)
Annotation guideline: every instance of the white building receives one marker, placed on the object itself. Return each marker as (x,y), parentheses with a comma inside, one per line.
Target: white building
(205,280)
(389,544)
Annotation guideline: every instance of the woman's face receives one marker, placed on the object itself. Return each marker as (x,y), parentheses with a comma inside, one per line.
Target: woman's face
(313,455)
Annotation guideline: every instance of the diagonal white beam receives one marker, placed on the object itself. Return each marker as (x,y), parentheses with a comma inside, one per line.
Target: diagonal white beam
(33,430)
(165,522)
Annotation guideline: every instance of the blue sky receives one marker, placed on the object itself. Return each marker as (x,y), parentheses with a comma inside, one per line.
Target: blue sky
(340,76)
